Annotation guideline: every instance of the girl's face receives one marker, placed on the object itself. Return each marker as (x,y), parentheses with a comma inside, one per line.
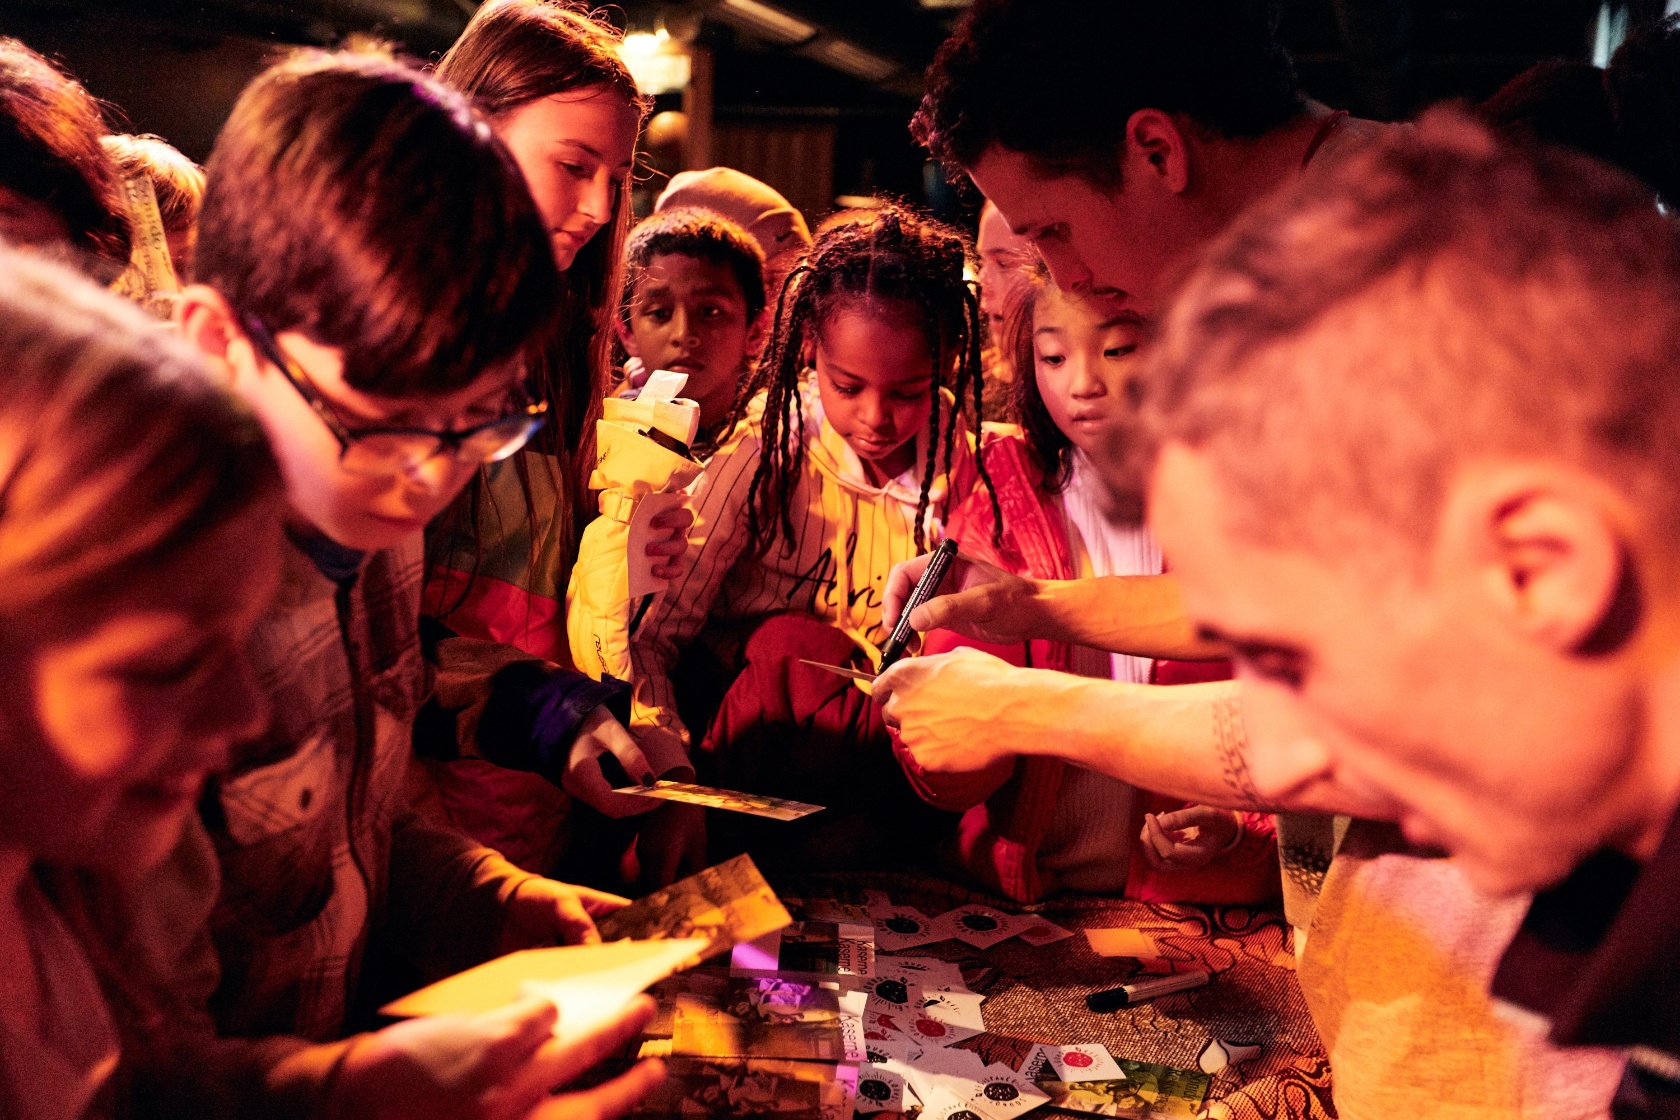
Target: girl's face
(1083,359)
(576,150)
(126,703)
(875,376)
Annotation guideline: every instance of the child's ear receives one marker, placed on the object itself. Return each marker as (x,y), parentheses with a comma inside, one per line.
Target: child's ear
(208,323)
(625,337)
(757,334)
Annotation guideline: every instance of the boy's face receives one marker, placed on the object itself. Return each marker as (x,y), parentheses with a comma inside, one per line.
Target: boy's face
(1447,688)
(358,511)
(688,315)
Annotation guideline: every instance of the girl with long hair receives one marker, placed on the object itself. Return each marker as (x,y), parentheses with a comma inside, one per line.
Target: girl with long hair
(548,76)
(853,445)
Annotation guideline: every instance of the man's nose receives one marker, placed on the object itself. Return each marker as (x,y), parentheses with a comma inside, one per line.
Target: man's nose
(1066,267)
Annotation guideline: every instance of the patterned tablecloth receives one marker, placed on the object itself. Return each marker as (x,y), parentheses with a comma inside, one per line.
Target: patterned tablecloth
(1039,993)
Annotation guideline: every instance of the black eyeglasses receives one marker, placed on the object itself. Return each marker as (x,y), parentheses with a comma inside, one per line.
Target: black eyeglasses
(397,450)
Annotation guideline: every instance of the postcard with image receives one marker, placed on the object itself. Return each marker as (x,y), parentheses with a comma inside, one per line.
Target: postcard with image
(766,1017)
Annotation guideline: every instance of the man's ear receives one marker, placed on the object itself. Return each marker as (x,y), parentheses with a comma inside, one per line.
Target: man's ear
(1157,147)
(1552,560)
(207,322)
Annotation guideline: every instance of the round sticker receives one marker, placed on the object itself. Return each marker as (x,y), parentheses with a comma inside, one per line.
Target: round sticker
(979,923)
(1001,1091)
(933,1028)
(875,1090)
(893,991)
(900,924)
(1078,1059)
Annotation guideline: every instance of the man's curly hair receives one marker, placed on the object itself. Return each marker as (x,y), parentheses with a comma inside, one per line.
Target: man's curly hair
(1058,79)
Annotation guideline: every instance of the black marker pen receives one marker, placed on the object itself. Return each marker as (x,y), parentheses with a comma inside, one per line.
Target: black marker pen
(926,588)
(1128,995)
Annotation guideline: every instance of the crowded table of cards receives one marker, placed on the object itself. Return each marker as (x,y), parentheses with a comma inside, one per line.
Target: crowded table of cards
(898,995)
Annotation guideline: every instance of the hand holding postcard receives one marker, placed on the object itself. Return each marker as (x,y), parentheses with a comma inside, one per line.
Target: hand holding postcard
(734,801)
(727,904)
(590,984)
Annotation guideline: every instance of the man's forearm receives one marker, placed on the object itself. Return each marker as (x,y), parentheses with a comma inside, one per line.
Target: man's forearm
(1185,741)
(1140,615)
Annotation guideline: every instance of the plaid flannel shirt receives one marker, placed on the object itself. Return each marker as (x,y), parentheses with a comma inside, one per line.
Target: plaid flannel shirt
(319,847)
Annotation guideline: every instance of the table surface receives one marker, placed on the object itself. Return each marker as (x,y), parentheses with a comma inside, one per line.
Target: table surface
(1039,993)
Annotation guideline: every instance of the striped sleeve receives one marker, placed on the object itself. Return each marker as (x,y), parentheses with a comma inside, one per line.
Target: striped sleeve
(716,543)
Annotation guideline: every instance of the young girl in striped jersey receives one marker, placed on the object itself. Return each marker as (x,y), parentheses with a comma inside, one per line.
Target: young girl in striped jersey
(853,445)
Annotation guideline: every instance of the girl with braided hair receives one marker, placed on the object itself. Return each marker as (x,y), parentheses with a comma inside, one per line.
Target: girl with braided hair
(853,442)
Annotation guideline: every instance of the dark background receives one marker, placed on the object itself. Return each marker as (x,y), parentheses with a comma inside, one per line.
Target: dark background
(174,67)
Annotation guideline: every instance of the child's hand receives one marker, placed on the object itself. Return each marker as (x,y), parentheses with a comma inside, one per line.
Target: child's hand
(1190,838)
(600,736)
(502,1065)
(544,912)
(665,549)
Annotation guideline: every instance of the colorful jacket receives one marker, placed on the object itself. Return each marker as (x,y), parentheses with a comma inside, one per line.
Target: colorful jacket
(849,535)
(1008,808)
(497,562)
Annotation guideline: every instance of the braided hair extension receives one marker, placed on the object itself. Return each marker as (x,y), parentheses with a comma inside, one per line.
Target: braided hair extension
(905,264)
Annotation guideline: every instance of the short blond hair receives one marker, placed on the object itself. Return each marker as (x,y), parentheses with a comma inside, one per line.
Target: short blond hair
(177,181)
(1442,295)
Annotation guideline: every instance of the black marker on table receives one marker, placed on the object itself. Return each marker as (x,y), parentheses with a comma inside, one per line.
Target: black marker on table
(926,588)
(1128,995)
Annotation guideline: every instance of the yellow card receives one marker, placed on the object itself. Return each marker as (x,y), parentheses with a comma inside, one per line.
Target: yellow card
(589,983)
(1121,942)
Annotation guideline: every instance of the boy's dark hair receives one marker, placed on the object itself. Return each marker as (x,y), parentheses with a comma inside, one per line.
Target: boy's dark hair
(1057,80)
(900,263)
(369,207)
(705,236)
(1627,114)
(49,152)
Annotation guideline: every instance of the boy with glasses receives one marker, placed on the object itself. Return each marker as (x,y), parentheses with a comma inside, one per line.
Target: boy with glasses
(373,276)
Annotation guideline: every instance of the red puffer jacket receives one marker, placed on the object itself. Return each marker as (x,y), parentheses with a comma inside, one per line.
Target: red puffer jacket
(1009,807)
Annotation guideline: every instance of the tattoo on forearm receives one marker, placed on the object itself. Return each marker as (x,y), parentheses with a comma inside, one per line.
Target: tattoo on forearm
(1230,739)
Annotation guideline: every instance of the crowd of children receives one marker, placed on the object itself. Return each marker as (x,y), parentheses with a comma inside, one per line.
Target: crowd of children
(336,609)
